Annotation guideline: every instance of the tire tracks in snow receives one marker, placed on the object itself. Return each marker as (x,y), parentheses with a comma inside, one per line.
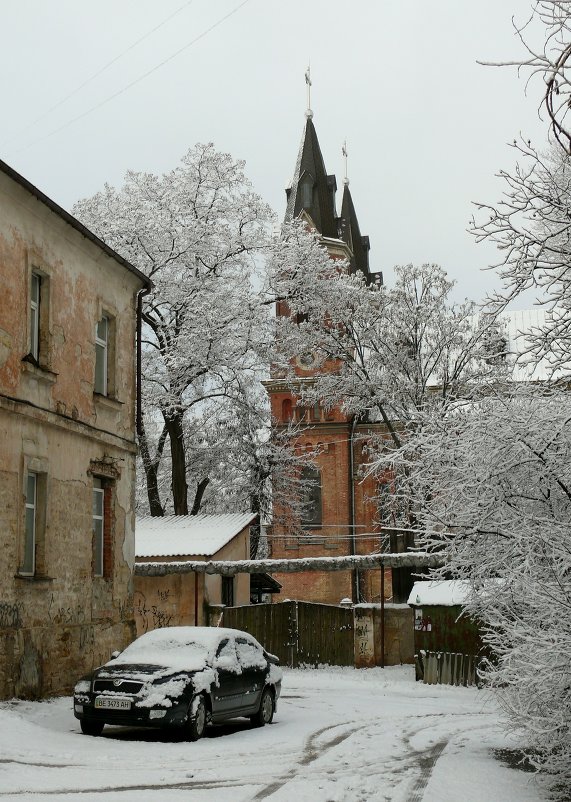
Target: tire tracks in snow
(312,751)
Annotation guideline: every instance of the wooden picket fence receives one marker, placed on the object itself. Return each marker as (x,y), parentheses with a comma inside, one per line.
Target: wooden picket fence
(299,633)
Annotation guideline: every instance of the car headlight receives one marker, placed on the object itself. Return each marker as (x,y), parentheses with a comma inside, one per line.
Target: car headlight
(83,686)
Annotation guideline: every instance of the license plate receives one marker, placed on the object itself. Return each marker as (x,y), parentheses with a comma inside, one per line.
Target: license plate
(108,703)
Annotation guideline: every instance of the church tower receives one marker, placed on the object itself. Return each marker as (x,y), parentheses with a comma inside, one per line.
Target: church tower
(342,514)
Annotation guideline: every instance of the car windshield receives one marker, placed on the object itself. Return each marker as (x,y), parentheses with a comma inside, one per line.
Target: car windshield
(166,647)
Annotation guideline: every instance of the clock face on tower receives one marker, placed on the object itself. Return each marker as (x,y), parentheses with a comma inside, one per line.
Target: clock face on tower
(307,361)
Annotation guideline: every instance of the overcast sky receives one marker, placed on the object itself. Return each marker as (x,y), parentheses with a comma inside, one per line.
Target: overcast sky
(426,126)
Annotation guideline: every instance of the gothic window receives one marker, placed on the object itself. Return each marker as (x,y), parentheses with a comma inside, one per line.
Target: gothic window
(312,503)
(287,410)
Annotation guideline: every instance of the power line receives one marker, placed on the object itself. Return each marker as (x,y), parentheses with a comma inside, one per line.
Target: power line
(96,74)
(137,80)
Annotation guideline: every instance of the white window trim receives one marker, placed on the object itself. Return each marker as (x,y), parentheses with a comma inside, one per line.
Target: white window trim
(104,346)
(99,549)
(30,506)
(35,316)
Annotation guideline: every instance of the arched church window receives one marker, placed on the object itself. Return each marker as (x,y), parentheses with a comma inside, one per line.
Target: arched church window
(312,515)
(287,410)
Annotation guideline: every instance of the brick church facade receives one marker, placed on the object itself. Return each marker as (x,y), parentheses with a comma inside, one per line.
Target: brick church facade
(343,519)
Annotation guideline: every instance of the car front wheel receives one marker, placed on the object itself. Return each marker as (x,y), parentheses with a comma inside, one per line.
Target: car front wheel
(265,714)
(91,727)
(196,724)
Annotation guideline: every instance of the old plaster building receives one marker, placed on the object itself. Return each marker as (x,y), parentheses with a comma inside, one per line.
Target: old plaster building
(68,318)
(343,513)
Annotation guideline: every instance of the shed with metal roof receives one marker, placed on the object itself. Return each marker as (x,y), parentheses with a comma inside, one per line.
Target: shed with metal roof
(189,598)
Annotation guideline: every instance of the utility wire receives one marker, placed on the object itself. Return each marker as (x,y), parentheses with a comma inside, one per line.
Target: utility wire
(96,74)
(137,80)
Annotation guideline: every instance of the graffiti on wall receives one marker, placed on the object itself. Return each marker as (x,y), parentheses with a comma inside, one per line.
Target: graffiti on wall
(10,617)
(65,615)
(152,616)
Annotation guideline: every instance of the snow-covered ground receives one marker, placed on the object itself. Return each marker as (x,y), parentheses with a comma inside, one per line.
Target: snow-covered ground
(340,735)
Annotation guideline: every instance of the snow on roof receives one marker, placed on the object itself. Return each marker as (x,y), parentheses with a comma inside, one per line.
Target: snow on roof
(187,535)
(445,593)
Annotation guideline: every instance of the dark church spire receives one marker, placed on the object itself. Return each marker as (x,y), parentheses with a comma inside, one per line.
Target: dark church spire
(312,190)
(351,235)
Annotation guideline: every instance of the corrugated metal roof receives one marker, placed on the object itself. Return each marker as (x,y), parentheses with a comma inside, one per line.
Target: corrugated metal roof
(187,535)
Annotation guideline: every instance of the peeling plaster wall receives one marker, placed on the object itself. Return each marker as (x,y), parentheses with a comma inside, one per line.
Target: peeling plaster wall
(60,623)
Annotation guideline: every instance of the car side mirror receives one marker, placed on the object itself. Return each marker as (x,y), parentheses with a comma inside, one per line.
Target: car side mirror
(115,654)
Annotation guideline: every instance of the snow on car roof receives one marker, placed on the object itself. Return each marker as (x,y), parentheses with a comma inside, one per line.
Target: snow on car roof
(186,648)
(192,535)
(445,593)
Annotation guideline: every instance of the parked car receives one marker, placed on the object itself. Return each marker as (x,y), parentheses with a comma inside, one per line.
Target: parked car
(182,677)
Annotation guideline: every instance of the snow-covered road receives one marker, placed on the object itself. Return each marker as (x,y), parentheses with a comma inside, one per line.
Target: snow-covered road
(339,735)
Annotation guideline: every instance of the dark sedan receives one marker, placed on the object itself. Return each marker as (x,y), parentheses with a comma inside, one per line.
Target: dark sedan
(182,677)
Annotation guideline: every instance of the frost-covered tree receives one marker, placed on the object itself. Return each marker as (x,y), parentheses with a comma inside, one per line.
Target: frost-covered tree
(386,351)
(531,224)
(396,355)
(496,482)
(195,232)
(496,479)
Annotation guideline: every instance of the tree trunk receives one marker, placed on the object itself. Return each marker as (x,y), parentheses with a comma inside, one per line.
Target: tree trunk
(173,422)
(151,468)
(200,488)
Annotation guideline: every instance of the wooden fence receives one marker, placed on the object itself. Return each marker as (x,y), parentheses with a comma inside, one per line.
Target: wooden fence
(299,633)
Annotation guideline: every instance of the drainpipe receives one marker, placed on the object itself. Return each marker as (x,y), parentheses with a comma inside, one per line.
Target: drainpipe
(352,541)
(139,412)
(382,615)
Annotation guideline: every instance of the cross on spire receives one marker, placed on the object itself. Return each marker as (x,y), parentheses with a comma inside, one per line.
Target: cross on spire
(344,152)
(309,112)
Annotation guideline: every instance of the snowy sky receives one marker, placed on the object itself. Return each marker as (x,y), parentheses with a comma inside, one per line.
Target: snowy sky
(426,126)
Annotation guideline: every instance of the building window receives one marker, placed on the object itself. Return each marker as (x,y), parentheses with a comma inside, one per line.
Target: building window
(102,356)
(32,554)
(228,591)
(29,560)
(98,516)
(307,194)
(287,410)
(312,503)
(35,296)
(38,320)
(102,527)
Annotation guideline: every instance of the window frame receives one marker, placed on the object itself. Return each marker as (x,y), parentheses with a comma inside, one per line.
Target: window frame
(312,516)
(98,538)
(102,347)
(29,549)
(35,314)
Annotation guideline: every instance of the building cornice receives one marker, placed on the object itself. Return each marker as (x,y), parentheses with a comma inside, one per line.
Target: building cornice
(26,409)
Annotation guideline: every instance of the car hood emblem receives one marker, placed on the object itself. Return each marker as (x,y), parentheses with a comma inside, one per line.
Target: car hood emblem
(117,682)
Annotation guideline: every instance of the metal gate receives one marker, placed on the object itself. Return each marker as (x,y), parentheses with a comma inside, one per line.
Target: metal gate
(299,633)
